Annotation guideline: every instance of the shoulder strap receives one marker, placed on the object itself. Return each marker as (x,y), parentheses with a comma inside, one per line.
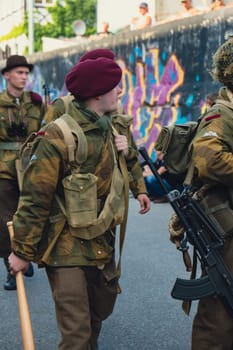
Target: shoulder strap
(124,172)
(69,128)
(66,100)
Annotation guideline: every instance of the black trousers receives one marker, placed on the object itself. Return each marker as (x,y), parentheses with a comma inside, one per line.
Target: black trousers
(9,197)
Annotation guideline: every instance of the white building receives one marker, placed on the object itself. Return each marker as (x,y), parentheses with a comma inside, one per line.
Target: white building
(12,15)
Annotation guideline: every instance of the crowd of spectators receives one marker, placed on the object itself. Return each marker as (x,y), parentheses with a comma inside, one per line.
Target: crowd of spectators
(145,19)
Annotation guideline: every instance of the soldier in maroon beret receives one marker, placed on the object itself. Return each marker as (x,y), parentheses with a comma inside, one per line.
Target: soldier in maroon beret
(21,114)
(80,265)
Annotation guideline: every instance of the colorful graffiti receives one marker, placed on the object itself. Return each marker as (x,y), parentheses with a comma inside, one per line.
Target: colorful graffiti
(146,94)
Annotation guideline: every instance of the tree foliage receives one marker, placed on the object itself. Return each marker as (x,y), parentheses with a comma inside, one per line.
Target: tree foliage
(63,14)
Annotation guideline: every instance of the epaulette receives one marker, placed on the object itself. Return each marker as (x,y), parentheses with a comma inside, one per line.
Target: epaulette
(36,98)
(40,133)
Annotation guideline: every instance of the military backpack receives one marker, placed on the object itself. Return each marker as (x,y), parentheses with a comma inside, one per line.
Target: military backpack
(174,141)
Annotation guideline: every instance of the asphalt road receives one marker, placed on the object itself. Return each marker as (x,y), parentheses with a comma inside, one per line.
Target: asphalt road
(145,315)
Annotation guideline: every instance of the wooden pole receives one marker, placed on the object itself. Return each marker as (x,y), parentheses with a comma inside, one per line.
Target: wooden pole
(24,314)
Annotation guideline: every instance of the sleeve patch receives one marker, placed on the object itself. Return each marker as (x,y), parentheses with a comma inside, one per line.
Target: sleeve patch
(40,133)
(215,116)
(210,134)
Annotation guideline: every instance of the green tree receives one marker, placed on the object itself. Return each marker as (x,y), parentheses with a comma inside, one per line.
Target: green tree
(63,14)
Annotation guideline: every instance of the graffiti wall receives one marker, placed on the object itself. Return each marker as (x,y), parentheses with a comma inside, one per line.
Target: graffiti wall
(166,70)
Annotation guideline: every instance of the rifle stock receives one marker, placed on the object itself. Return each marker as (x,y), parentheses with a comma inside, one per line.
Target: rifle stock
(208,240)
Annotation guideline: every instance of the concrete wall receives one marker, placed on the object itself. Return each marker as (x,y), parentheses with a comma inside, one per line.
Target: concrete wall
(165,70)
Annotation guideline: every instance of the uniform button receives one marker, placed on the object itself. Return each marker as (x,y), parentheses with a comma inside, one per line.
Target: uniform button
(99,252)
(81,187)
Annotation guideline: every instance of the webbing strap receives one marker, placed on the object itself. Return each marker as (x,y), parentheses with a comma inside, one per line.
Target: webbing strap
(69,127)
(124,172)
(68,137)
(10,146)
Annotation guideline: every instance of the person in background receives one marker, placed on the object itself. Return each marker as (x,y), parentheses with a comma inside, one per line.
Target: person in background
(104,33)
(105,30)
(144,20)
(80,265)
(170,181)
(188,9)
(21,113)
(217,4)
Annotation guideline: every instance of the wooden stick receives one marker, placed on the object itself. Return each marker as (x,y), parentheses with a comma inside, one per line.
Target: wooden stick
(24,314)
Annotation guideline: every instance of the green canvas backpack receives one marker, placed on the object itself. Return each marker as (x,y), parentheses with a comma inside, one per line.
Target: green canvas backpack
(174,141)
(70,129)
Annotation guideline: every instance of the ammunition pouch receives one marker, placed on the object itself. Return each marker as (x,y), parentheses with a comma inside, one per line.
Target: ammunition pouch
(81,204)
(217,205)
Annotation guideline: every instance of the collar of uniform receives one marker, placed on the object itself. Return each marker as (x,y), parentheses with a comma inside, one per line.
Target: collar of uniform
(226,94)
(229,95)
(15,100)
(103,123)
(6,100)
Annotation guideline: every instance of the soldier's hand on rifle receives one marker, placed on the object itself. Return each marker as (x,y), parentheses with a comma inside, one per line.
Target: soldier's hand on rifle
(176,230)
(121,144)
(17,264)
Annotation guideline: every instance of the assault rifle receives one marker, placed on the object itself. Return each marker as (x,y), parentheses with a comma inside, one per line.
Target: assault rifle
(207,239)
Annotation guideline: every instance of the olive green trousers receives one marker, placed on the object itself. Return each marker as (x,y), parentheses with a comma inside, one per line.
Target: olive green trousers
(83,299)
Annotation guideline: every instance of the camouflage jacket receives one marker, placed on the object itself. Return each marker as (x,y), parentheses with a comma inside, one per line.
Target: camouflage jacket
(213,160)
(17,121)
(39,220)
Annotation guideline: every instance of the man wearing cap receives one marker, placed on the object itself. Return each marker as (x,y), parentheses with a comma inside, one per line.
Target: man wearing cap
(213,160)
(81,269)
(21,113)
(144,20)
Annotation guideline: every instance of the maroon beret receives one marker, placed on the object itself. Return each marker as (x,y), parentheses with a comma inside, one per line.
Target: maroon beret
(93,77)
(36,98)
(96,53)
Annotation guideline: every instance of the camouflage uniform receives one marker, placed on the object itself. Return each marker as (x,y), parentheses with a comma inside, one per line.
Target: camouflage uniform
(45,221)
(213,158)
(18,118)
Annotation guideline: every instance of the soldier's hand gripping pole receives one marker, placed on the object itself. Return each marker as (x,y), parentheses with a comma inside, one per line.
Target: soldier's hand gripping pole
(24,314)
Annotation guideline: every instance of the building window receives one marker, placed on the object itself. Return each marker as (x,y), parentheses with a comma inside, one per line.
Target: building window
(44,3)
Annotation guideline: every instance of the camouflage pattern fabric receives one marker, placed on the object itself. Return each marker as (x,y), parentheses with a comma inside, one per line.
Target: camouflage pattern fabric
(213,147)
(213,159)
(39,220)
(28,114)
